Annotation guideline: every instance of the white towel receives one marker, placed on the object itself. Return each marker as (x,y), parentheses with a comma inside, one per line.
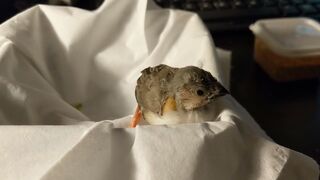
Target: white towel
(52,58)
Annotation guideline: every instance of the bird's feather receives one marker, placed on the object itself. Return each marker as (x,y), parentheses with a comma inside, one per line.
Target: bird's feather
(151,91)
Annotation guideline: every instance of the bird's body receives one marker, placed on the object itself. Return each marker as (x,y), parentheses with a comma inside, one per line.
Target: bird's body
(168,95)
(176,117)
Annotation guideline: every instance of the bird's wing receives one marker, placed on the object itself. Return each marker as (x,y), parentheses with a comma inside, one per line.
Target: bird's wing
(152,87)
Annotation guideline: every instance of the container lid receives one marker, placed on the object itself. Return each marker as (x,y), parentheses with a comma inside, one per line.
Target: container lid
(289,36)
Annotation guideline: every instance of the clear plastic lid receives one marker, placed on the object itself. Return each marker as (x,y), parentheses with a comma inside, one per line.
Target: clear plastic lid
(289,36)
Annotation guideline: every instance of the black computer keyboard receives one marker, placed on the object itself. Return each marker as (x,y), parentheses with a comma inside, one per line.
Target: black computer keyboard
(222,15)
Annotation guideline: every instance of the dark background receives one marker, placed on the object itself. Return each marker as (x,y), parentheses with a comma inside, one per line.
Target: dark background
(288,112)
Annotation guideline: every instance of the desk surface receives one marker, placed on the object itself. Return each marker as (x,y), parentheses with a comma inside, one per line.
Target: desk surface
(288,112)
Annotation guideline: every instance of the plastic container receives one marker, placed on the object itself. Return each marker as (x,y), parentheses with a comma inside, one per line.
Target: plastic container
(288,48)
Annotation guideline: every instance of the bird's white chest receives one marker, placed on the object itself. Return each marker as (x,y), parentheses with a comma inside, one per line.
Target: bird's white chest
(176,117)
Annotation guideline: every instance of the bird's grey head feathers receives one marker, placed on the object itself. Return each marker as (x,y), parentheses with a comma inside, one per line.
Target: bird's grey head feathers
(194,87)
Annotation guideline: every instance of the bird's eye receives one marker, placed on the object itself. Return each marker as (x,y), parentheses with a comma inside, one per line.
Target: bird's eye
(200,92)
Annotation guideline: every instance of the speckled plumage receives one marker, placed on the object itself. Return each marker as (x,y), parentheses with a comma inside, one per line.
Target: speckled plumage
(191,88)
(152,87)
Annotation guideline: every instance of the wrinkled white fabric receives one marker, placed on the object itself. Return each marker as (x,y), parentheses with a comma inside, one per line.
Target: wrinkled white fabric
(54,57)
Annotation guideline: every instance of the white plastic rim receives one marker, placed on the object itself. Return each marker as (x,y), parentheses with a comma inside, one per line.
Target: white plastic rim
(307,25)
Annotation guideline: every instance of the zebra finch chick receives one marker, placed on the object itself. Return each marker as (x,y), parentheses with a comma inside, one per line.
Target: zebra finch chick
(167,95)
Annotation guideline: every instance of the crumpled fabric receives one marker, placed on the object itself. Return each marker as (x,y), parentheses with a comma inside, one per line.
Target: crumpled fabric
(67,79)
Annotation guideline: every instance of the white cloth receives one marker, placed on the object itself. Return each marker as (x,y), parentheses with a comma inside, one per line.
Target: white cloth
(54,57)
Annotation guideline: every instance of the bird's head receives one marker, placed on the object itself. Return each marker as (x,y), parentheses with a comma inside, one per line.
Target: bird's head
(194,88)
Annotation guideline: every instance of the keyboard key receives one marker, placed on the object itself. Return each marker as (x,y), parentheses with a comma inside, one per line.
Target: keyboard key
(238,4)
(205,6)
(253,4)
(290,10)
(189,6)
(307,9)
(221,5)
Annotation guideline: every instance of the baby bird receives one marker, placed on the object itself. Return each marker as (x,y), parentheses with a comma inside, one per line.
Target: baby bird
(167,95)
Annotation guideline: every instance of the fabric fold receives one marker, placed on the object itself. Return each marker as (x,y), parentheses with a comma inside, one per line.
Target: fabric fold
(67,79)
